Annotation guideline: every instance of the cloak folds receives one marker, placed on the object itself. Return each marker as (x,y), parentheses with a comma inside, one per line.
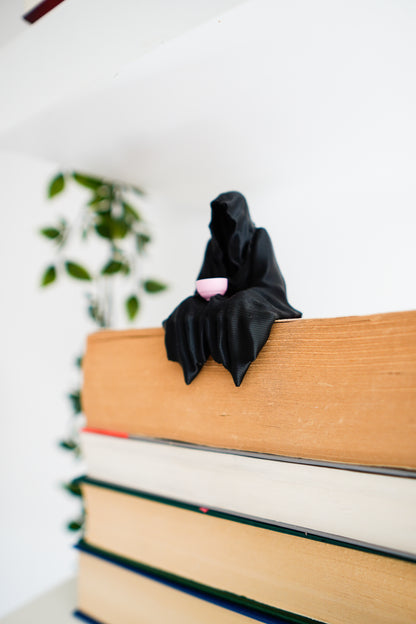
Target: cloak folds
(232,328)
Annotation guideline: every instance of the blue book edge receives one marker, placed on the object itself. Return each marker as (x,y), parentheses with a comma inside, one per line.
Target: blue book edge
(238,605)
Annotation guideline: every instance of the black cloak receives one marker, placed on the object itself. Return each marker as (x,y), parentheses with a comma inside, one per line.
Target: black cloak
(232,328)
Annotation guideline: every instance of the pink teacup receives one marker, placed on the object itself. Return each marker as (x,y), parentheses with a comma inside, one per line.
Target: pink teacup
(211,286)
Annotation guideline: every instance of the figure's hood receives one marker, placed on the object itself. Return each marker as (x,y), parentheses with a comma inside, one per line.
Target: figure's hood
(231,226)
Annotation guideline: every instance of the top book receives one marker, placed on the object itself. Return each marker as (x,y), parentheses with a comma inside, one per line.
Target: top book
(331,390)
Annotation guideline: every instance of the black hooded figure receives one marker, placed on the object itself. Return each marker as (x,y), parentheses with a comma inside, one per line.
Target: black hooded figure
(232,328)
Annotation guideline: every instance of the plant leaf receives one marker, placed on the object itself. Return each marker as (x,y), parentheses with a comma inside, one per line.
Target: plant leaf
(68,445)
(106,191)
(77,271)
(85,231)
(96,200)
(111,228)
(119,228)
(132,307)
(75,400)
(131,212)
(95,312)
(141,241)
(56,185)
(138,190)
(75,525)
(88,181)
(113,266)
(73,487)
(152,286)
(50,232)
(103,230)
(99,204)
(49,276)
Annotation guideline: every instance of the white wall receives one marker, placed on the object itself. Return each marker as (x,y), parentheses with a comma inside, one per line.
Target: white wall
(39,336)
(330,174)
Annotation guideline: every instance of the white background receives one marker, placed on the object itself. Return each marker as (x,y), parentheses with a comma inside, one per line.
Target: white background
(308,108)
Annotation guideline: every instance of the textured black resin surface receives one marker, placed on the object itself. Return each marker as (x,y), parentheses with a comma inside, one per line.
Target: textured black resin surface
(232,328)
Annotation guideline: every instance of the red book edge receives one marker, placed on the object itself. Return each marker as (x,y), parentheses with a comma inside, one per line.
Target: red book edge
(40,10)
(107,432)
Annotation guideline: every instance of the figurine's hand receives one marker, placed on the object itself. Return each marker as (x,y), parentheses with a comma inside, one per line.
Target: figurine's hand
(184,336)
(237,328)
(215,320)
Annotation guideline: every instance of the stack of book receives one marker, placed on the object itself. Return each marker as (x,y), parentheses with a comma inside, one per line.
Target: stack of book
(289,499)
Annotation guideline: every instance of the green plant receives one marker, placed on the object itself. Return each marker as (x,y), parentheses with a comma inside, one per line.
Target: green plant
(110,217)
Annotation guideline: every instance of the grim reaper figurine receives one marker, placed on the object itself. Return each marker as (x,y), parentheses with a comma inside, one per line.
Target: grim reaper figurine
(231,328)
